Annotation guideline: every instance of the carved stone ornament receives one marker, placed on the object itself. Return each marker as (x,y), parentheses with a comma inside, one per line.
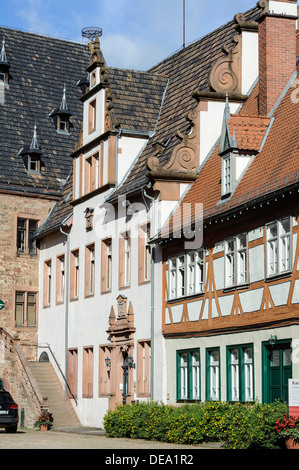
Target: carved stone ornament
(110,121)
(225,74)
(264,5)
(185,156)
(121,306)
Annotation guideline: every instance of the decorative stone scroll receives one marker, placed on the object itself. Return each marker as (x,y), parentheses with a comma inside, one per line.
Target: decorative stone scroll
(110,121)
(264,5)
(185,156)
(225,74)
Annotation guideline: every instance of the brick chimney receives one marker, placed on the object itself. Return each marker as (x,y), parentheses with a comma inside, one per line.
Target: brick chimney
(277,51)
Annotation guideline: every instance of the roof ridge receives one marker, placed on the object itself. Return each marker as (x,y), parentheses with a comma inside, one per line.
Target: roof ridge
(146,72)
(42,35)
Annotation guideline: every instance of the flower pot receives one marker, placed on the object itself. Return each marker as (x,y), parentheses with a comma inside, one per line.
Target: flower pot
(291,443)
(44,427)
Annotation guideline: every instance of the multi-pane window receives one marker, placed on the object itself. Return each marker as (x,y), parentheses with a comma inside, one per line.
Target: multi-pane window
(124,259)
(185,275)
(74,275)
(92,116)
(60,279)
(236,261)
(213,375)
(188,375)
(143,368)
(278,235)
(25,309)
(89,270)
(226,189)
(127,259)
(240,373)
(33,164)
(87,379)
(47,283)
(106,265)
(25,235)
(144,254)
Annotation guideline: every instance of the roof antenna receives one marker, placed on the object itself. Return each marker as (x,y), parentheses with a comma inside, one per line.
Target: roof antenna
(184,23)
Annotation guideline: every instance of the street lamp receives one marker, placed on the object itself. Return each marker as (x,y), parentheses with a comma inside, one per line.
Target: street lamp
(127,364)
(108,362)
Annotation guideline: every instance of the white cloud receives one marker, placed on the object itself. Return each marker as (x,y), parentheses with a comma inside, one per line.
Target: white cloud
(123,52)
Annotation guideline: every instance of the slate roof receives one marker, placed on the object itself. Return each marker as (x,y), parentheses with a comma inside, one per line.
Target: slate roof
(136,98)
(61,211)
(39,68)
(187,72)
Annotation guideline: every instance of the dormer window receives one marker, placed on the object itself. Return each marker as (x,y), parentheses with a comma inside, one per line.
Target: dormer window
(32,155)
(62,116)
(226,172)
(4,64)
(33,164)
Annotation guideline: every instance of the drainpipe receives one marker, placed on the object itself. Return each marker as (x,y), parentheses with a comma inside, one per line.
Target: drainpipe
(67,263)
(152,300)
(116,157)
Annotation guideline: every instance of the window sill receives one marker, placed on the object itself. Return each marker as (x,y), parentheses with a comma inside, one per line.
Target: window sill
(88,296)
(125,287)
(185,297)
(237,287)
(106,291)
(278,276)
(142,283)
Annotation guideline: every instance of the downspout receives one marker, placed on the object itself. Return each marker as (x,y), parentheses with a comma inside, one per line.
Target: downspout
(116,156)
(66,326)
(152,301)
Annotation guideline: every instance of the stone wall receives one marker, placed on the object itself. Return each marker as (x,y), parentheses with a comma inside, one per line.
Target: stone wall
(19,272)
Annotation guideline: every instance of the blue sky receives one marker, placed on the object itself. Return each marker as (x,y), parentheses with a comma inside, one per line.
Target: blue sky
(136,33)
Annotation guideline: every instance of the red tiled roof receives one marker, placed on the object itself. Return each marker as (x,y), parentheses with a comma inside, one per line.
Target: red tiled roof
(248,131)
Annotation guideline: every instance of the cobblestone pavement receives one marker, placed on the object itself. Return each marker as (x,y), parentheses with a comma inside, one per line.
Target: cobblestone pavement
(81,439)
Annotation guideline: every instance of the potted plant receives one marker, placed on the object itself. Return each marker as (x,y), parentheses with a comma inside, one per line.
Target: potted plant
(44,422)
(288,428)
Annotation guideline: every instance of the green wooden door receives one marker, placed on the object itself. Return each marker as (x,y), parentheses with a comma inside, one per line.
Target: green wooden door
(278,371)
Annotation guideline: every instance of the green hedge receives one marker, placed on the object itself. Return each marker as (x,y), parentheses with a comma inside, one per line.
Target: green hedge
(238,426)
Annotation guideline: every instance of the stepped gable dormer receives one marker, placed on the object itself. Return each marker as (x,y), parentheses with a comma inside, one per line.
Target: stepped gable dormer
(62,115)
(242,138)
(4,64)
(32,155)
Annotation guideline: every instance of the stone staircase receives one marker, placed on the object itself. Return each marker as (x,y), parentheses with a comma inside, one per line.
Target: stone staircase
(50,386)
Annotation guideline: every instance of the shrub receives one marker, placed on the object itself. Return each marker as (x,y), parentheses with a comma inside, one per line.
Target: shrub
(239,426)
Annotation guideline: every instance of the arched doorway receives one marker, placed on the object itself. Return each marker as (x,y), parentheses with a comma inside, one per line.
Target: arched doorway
(43,357)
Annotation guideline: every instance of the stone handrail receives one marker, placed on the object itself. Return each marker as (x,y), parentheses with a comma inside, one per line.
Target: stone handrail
(11,350)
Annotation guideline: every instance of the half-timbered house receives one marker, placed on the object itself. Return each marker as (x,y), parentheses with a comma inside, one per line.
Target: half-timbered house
(230,311)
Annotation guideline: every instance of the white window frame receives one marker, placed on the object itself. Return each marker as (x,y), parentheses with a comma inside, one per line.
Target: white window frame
(127,259)
(214,375)
(248,374)
(182,269)
(235,371)
(279,247)
(108,264)
(236,261)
